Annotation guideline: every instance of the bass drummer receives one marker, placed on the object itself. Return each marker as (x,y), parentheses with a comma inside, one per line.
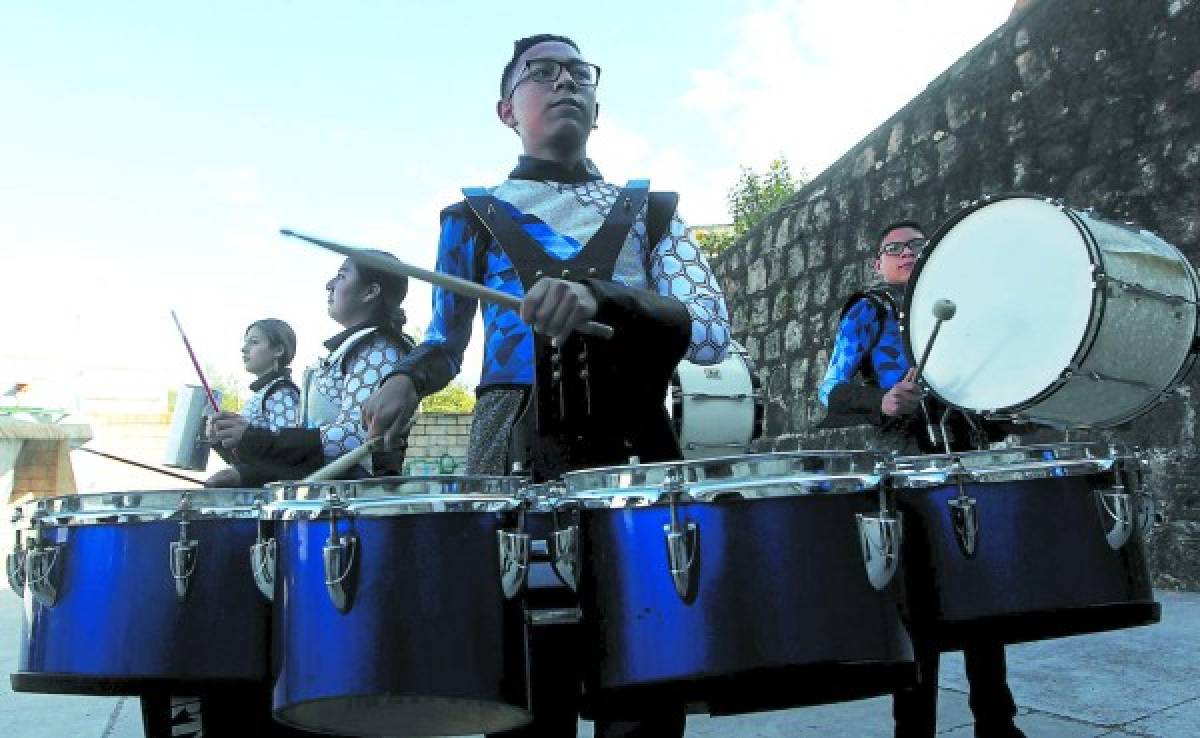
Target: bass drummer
(645,278)
(869,381)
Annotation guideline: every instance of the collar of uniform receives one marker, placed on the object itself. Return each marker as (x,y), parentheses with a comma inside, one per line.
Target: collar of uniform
(333,343)
(529,167)
(269,377)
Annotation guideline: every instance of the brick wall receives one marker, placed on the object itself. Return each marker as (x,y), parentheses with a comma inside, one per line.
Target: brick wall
(1094,102)
(435,436)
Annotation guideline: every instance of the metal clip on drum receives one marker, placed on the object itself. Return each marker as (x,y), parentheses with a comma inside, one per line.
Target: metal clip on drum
(184,553)
(1117,509)
(338,556)
(881,536)
(43,575)
(263,554)
(514,555)
(14,563)
(681,540)
(964,514)
(566,552)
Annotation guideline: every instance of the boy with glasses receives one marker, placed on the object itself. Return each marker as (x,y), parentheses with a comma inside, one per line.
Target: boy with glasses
(574,248)
(869,380)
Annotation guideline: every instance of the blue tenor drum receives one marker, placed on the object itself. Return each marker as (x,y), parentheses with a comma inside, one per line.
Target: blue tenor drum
(738,583)
(390,609)
(133,592)
(1025,543)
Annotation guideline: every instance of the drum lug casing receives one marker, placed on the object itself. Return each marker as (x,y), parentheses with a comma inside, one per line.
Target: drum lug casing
(263,555)
(1121,511)
(881,537)
(338,558)
(183,557)
(682,541)
(565,555)
(43,573)
(14,563)
(514,561)
(964,515)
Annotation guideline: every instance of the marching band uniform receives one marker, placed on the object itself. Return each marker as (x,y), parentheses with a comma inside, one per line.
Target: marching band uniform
(869,347)
(275,403)
(331,409)
(651,284)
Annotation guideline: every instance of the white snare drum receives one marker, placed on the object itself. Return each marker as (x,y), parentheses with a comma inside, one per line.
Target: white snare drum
(716,410)
(1063,318)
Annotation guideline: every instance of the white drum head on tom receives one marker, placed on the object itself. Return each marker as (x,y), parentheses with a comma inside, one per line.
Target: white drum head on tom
(1020,273)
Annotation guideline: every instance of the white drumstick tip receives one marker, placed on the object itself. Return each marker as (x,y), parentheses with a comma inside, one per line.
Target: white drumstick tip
(944,309)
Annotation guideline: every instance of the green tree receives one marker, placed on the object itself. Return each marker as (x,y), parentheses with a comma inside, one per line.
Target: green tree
(752,198)
(453,398)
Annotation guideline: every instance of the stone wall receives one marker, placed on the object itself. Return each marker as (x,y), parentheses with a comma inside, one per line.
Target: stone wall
(1094,102)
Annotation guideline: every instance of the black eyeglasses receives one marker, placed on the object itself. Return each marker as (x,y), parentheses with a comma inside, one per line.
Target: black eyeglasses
(547,71)
(915,245)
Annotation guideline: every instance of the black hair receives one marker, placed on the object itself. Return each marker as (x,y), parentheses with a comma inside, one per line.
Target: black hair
(898,224)
(279,335)
(520,46)
(387,311)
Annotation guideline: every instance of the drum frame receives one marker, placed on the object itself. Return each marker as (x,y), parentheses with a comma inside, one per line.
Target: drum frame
(1017,412)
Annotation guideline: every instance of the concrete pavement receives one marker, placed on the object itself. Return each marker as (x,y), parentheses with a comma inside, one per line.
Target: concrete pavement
(1139,682)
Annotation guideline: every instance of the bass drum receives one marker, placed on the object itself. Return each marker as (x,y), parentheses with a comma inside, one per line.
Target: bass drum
(1063,319)
(716,410)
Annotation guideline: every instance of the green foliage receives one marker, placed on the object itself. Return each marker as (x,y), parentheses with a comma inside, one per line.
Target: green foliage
(454,398)
(753,197)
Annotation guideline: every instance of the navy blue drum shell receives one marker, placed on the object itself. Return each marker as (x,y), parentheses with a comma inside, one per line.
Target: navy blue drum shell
(780,593)
(1042,567)
(428,646)
(118,624)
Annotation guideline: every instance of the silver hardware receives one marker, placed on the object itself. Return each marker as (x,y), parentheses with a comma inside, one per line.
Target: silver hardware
(1139,290)
(338,557)
(880,536)
(681,540)
(566,273)
(553,616)
(183,561)
(14,564)
(1118,506)
(42,573)
(539,273)
(514,561)
(263,554)
(628,203)
(591,271)
(565,555)
(491,210)
(964,516)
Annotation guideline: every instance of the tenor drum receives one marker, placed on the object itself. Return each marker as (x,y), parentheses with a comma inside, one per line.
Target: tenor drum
(740,583)
(390,610)
(134,592)
(1025,543)
(716,410)
(1063,318)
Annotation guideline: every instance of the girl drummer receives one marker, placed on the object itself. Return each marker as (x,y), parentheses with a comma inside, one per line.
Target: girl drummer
(367,303)
(268,348)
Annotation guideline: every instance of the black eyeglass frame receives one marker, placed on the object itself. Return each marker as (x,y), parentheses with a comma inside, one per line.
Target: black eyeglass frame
(562,66)
(895,248)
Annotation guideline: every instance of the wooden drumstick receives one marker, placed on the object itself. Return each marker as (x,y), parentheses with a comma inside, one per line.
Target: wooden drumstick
(345,462)
(448,282)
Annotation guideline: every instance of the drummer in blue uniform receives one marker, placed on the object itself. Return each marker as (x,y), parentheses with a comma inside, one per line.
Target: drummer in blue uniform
(574,248)
(869,380)
(268,348)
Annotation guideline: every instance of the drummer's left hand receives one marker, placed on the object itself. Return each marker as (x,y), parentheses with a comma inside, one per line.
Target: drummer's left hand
(556,307)
(225,478)
(228,428)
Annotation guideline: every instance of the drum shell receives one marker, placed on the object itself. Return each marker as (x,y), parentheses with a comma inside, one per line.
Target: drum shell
(119,627)
(1042,567)
(780,590)
(427,619)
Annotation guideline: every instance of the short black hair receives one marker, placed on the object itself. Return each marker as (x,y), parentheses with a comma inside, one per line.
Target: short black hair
(520,46)
(898,224)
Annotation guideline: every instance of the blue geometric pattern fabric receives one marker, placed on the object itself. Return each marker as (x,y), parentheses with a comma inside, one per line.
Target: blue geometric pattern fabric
(562,217)
(859,330)
(273,407)
(373,358)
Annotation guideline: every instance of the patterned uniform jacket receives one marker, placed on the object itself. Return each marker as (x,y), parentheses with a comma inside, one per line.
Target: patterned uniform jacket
(661,295)
(275,403)
(330,407)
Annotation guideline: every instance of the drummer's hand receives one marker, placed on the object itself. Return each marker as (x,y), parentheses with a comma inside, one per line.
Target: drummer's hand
(225,478)
(228,428)
(556,307)
(388,410)
(903,397)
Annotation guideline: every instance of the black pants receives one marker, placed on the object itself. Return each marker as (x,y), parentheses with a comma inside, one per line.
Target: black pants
(915,708)
(556,686)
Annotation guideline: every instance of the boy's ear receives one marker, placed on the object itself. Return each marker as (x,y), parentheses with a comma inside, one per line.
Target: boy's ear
(504,111)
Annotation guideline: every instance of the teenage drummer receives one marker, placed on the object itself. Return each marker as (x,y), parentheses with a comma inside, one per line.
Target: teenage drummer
(646,279)
(268,347)
(869,380)
(368,305)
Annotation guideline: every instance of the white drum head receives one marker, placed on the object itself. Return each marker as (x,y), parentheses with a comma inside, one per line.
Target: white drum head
(1020,274)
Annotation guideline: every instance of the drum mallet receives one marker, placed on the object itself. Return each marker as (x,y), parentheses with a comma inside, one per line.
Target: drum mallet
(943,310)
(345,462)
(448,282)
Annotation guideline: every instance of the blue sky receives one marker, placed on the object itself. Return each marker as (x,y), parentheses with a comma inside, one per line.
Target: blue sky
(149,151)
